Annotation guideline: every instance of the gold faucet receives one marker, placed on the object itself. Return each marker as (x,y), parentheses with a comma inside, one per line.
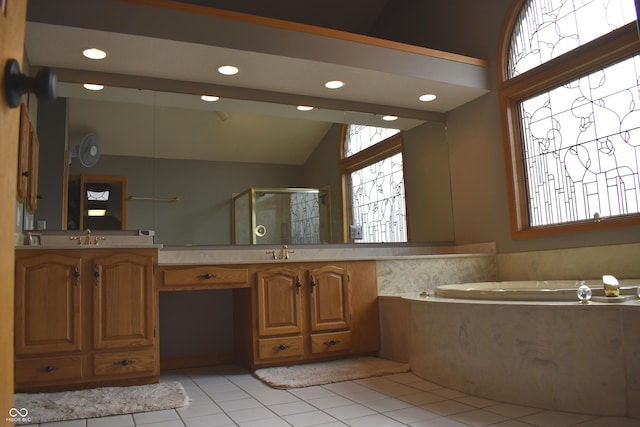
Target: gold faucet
(283,254)
(87,237)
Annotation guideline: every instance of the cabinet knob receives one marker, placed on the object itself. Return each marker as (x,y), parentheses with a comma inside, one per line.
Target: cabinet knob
(312,283)
(125,362)
(208,276)
(332,342)
(281,347)
(49,368)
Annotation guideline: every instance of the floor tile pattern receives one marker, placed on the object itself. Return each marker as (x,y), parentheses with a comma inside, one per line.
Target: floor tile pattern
(230,396)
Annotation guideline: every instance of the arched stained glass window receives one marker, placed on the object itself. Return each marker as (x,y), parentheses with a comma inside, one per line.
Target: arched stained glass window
(571,107)
(550,28)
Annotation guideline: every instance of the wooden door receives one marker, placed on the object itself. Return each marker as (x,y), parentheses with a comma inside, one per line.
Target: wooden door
(12,24)
(123,295)
(330,298)
(48,303)
(279,302)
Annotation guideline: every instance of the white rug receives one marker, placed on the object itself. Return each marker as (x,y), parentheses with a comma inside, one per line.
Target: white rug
(311,374)
(33,408)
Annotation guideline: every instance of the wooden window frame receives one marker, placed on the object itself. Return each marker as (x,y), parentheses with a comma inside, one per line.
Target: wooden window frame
(608,49)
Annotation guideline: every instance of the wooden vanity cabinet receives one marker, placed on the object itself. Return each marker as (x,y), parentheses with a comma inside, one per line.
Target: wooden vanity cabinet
(308,311)
(85,317)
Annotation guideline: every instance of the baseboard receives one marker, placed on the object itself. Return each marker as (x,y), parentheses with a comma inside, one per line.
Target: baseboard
(196,361)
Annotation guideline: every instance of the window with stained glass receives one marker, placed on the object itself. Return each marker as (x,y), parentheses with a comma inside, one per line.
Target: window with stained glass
(573,125)
(373,171)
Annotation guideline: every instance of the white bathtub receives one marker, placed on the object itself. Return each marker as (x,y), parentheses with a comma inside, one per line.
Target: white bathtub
(549,290)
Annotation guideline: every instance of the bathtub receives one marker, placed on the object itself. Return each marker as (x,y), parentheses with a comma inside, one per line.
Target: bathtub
(549,290)
(553,354)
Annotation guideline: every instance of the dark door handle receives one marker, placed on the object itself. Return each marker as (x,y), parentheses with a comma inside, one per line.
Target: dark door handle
(16,84)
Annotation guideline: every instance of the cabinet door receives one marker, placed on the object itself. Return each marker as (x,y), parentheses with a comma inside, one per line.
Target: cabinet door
(48,304)
(123,301)
(330,298)
(279,302)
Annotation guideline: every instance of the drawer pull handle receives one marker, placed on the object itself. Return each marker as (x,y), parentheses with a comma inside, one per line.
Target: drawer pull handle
(332,342)
(208,276)
(281,347)
(49,368)
(124,362)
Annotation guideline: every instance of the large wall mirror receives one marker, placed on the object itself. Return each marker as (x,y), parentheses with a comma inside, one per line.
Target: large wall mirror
(182,164)
(184,159)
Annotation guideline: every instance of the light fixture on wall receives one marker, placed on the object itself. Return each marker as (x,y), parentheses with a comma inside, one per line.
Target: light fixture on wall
(96,210)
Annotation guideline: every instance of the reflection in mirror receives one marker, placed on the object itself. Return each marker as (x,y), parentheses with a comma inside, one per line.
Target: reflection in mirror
(96,203)
(183,162)
(282,216)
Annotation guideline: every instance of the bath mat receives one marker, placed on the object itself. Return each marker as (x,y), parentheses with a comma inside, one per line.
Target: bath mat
(310,374)
(34,408)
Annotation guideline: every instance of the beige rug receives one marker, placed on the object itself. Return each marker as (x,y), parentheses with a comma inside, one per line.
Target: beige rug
(34,408)
(328,372)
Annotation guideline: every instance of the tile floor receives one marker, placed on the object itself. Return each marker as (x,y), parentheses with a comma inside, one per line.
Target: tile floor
(230,396)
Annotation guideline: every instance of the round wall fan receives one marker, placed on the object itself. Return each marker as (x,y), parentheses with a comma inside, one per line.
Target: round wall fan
(87,151)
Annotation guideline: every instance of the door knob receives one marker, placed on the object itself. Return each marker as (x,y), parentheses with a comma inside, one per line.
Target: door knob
(16,84)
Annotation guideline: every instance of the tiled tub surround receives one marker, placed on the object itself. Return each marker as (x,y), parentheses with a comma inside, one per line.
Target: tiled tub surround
(622,261)
(414,275)
(562,356)
(553,355)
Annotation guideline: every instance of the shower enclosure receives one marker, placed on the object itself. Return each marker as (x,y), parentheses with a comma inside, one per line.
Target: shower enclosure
(281,216)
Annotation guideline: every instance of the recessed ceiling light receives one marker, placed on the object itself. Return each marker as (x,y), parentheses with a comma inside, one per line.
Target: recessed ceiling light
(389,118)
(305,107)
(93,53)
(334,84)
(427,97)
(228,70)
(93,86)
(209,98)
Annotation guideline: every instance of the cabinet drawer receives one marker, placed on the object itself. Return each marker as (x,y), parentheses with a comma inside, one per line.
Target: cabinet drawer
(334,341)
(125,362)
(280,348)
(48,370)
(205,277)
